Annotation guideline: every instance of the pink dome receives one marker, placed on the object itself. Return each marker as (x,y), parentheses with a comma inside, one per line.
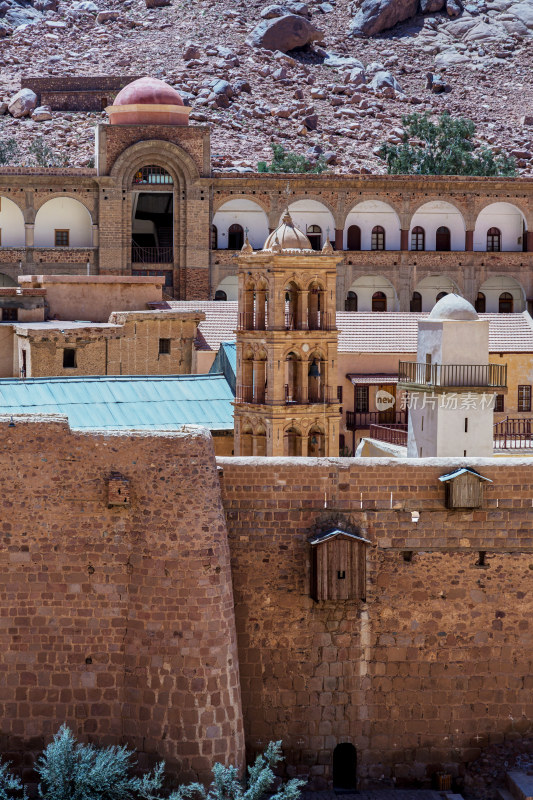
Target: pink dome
(149,91)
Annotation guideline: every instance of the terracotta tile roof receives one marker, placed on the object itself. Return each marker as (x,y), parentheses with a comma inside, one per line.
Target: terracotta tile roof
(362,331)
(376,379)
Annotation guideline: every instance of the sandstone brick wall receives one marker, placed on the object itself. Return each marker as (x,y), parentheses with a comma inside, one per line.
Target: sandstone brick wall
(118,621)
(435,664)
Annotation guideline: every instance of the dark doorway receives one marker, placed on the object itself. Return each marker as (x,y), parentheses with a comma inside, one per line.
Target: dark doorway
(354,237)
(350,304)
(235,237)
(443,239)
(345,768)
(152,228)
(314,234)
(416,302)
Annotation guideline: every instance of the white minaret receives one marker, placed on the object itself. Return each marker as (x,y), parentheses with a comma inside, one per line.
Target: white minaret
(452,386)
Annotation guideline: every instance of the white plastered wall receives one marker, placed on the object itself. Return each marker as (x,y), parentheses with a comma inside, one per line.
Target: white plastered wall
(431,286)
(437,214)
(230,285)
(495,286)
(11,224)
(305,213)
(367,285)
(245,213)
(369,214)
(508,219)
(63,213)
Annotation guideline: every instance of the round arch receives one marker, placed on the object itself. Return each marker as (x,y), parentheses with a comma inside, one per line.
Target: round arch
(230,286)
(433,285)
(497,285)
(366,286)
(370,214)
(508,219)
(11,224)
(307,212)
(219,201)
(248,214)
(167,155)
(435,214)
(63,221)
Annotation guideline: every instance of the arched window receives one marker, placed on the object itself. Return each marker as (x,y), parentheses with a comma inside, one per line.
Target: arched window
(494,240)
(418,238)
(314,234)
(354,237)
(378,238)
(416,302)
(505,303)
(379,301)
(152,175)
(443,239)
(214,237)
(293,442)
(481,303)
(235,237)
(220,295)
(350,303)
(440,296)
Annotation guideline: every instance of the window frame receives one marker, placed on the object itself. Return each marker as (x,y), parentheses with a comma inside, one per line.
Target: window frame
(418,237)
(165,346)
(361,398)
(494,240)
(72,350)
(377,241)
(524,398)
(62,231)
(499,404)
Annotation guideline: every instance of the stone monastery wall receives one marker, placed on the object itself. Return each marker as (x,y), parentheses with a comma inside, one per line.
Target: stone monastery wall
(437,662)
(117,620)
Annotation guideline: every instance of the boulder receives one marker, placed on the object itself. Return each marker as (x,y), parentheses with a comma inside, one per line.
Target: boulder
(5,30)
(357,76)
(382,80)
(27,15)
(373,16)
(222,87)
(87,6)
(453,8)
(279,10)
(46,5)
(22,103)
(42,113)
(436,83)
(107,16)
(157,3)
(191,51)
(431,6)
(3,109)
(311,122)
(284,33)
(524,12)
(482,32)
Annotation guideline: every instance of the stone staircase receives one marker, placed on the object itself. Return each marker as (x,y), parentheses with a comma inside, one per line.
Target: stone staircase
(519,787)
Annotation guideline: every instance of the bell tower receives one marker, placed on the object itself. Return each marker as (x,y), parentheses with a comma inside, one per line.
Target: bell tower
(286,398)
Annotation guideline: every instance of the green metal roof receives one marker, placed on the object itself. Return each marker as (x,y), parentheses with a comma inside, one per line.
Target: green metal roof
(226,363)
(120,402)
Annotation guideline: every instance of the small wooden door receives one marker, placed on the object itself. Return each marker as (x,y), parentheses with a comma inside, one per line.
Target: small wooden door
(443,239)
(387,417)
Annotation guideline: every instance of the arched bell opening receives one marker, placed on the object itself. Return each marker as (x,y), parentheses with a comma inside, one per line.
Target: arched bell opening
(293,379)
(316,442)
(316,378)
(293,442)
(316,318)
(292,292)
(246,448)
(259,377)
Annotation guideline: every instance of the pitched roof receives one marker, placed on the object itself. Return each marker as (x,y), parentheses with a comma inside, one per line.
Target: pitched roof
(332,534)
(124,402)
(461,471)
(365,331)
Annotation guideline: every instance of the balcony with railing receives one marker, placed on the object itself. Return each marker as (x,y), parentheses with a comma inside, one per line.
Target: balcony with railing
(318,321)
(392,434)
(291,395)
(152,255)
(358,420)
(414,375)
(514,433)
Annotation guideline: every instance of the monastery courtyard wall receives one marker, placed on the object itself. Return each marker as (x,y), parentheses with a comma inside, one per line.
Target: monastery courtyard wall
(120,620)
(435,665)
(116,620)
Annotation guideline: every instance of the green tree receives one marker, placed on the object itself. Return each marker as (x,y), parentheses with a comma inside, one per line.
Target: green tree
(445,147)
(283,161)
(10,786)
(227,786)
(9,150)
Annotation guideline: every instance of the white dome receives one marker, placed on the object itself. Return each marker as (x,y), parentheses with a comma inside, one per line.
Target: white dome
(453,306)
(287,238)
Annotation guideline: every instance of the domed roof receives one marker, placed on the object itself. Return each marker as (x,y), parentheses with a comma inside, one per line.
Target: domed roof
(149,91)
(453,306)
(287,238)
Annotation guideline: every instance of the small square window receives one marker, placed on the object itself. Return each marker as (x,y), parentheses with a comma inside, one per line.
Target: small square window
(69,358)
(62,238)
(10,314)
(164,347)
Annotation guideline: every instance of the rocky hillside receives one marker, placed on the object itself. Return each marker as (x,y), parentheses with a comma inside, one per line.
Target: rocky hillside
(343,94)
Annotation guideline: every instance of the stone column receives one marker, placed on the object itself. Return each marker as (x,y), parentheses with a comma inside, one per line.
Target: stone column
(404,239)
(305,442)
(29,229)
(469,241)
(529,241)
(303,381)
(339,239)
(95,235)
(302,312)
(260,299)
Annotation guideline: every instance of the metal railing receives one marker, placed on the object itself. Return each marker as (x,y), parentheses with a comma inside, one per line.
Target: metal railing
(393,434)
(320,321)
(152,255)
(250,394)
(514,433)
(451,376)
(293,395)
(363,419)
